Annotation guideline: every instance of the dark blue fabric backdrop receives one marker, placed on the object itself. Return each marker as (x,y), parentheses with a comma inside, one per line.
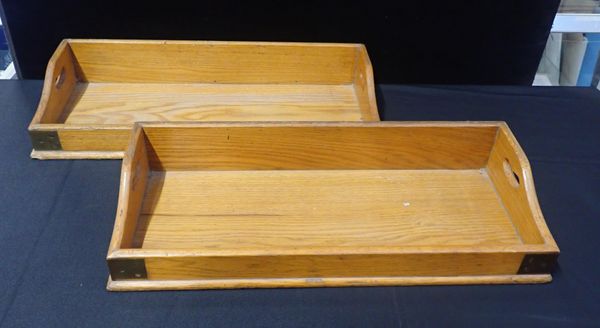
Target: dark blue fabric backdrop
(56,220)
(433,41)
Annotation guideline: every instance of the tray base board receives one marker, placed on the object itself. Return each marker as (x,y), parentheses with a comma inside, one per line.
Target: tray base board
(65,154)
(149,285)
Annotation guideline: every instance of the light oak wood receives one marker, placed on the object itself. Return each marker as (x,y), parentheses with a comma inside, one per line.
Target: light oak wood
(61,78)
(323,266)
(127,103)
(40,154)
(211,209)
(94,139)
(214,61)
(142,253)
(510,171)
(148,285)
(111,84)
(243,205)
(365,86)
(268,146)
(132,189)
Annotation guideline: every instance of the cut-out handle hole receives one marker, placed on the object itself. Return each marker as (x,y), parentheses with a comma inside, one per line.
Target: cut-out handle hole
(511,175)
(60,79)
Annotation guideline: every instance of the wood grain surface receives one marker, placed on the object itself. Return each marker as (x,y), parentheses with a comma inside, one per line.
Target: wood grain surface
(127,103)
(510,171)
(228,210)
(115,83)
(134,179)
(115,139)
(364,85)
(289,204)
(167,61)
(318,266)
(61,78)
(148,285)
(373,145)
(52,154)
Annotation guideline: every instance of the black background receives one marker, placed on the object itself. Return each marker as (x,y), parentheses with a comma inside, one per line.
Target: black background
(453,42)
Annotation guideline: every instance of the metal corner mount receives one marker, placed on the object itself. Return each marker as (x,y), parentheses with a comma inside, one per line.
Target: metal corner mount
(538,263)
(45,140)
(127,269)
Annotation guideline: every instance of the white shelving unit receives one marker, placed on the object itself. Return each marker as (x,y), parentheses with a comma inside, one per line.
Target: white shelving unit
(10,71)
(571,47)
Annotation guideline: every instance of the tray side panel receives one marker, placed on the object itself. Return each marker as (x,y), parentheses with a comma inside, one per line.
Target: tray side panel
(61,78)
(94,139)
(364,85)
(318,266)
(214,62)
(134,177)
(318,146)
(511,174)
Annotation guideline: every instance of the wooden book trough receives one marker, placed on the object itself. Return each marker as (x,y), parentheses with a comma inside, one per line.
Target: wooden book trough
(96,89)
(243,205)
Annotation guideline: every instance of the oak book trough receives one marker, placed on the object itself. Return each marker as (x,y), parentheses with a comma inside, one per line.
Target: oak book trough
(95,90)
(243,205)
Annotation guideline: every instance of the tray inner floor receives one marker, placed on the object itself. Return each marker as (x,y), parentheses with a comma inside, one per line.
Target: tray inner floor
(290,209)
(126,103)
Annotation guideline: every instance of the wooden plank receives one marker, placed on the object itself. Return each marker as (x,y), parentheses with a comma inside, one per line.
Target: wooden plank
(61,77)
(37,154)
(141,253)
(364,85)
(94,139)
(127,103)
(227,210)
(510,171)
(317,266)
(381,145)
(134,177)
(213,62)
(147,285)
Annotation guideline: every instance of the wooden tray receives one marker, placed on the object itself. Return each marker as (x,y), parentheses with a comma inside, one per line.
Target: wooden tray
(96,89)
(236,205)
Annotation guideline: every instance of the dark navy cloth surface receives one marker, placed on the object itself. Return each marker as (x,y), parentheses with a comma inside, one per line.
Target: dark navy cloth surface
(56,220)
